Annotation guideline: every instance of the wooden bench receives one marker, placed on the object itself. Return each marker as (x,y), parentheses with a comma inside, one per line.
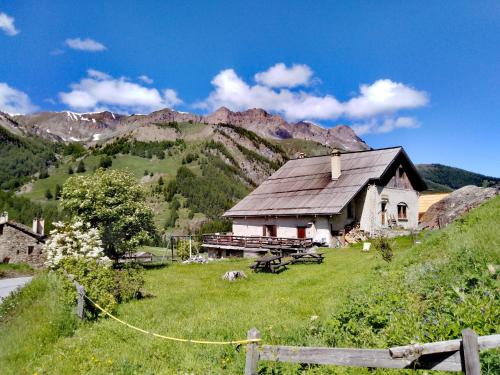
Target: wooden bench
(271,263)
(275,268)
(307,258)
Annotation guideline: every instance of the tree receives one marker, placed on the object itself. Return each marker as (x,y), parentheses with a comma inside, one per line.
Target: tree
(160,181)
(48,194)
(81,167)
(105,162)
(58,192)
(113,202)
(43,174)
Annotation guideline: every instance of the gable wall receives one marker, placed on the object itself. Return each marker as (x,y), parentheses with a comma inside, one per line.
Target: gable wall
(14,246)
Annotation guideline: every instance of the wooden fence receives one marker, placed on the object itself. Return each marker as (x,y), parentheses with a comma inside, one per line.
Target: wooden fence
(257,241)
(453,355)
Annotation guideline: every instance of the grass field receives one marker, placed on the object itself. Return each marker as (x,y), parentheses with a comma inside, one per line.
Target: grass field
(191,301)
(300,306)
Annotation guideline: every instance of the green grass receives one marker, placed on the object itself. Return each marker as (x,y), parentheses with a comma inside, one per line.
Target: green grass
(310,148)
(15,270)
(377,304)
(192,301)
(32,321)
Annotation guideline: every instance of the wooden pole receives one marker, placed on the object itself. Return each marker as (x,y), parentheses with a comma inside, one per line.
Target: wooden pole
(252,360)
(470,348)
(80,307)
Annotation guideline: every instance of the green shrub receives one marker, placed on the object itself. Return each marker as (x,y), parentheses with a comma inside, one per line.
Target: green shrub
(104,285)
(183,248)
(98,280)
(105,162)
(384,247)
(129,280)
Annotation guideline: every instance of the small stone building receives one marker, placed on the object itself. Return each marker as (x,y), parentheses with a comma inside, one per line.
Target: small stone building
(20,243)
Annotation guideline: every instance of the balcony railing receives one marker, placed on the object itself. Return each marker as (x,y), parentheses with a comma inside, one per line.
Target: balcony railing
(257,241)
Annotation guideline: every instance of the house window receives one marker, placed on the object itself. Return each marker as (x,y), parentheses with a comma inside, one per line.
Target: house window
(401,172)
(269,231)
(402,211)
(383,207)
(1,229)
(30,249)
(350,211)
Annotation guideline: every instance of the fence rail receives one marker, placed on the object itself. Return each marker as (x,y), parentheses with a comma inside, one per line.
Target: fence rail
(257,241)
(453,355)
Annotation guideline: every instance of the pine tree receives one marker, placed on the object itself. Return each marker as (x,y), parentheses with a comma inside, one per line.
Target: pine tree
(81,167)
(48,194)
(58,192)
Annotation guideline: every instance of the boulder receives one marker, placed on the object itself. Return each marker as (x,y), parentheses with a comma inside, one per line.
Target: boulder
(442,213)
(233,275)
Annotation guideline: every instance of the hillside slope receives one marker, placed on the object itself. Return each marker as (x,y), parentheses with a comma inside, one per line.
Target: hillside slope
(22,156)
(445,178)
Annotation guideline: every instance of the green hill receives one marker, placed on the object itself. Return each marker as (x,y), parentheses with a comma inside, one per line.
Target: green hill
(441,178)
(21,157)
(191,177)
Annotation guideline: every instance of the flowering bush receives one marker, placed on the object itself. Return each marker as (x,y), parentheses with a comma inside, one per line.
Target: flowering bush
(74,240)
(76,249)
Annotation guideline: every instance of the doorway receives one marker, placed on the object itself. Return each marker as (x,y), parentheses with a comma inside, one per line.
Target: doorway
(301,232)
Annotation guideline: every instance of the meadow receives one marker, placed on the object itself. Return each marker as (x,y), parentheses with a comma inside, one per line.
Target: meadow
(352,299)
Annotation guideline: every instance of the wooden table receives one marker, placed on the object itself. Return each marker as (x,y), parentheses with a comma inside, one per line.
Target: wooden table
(307,258)
(272,264)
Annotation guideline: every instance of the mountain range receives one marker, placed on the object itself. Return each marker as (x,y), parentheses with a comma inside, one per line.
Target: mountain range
(90,128)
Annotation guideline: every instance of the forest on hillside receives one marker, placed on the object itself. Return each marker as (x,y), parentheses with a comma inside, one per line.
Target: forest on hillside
(444,178)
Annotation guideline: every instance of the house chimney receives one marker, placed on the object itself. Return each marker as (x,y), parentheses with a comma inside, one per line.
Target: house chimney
(336,165)
(4,217)
(38,226)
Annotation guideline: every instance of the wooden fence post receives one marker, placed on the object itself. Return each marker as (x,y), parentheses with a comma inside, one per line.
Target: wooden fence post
(470,351)
(80,307)
(252,360)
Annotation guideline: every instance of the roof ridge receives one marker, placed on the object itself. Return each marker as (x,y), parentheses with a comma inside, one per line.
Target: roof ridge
(351,152)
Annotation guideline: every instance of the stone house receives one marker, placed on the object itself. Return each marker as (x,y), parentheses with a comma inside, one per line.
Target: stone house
(20,243)
(322,197)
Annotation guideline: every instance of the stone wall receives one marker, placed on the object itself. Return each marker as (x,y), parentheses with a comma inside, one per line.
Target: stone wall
(19,247)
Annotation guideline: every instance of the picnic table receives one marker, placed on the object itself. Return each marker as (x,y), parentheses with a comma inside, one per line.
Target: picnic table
(272,263)
(307,258)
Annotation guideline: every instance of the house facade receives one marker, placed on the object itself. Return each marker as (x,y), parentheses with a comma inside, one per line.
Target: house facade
(323,197)
(20,243)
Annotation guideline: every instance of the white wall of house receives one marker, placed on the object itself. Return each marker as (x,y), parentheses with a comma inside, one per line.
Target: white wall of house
(371,218)
(317,228)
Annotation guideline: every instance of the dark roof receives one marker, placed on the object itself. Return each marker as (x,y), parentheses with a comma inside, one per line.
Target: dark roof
(25,229)
(304,186)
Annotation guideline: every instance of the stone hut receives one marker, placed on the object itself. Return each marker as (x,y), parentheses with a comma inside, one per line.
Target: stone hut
(20,243)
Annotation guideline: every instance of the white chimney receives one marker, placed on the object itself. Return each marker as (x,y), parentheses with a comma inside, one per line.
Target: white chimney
(4,217)
(39,226)
(336,165)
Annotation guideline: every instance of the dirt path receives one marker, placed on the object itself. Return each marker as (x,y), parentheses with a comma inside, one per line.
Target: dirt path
(7,286)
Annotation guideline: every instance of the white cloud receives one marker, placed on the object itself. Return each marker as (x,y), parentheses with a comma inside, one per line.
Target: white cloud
(7,24)
(14,101)
(87,44)
(281,76)
(382,98)
(100,91)
(146,79)
(385,125)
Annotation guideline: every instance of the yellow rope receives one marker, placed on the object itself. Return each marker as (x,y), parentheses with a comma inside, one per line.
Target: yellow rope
(236,342)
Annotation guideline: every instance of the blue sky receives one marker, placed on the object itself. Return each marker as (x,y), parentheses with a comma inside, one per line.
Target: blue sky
(425,75)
